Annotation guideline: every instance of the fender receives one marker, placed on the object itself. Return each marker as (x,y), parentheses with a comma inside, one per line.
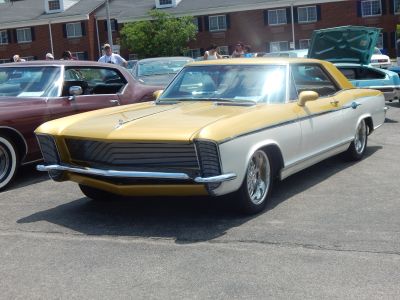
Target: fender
(20,135)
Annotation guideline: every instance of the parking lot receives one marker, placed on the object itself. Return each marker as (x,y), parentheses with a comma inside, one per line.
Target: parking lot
(331,231)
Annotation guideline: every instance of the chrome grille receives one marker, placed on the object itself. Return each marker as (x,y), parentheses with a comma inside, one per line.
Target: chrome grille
(133,154)
(209,160)
(49,149)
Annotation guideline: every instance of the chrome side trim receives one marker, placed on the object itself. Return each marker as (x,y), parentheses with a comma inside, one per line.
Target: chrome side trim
(313,159)
(135,174)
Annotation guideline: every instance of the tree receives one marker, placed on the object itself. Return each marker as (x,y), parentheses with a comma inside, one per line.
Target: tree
(163,35)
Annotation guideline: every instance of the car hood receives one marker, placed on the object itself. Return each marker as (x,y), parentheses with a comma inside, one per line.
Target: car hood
(144,121)
(353,44)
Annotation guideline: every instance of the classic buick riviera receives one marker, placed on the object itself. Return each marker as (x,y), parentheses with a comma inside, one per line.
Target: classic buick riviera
(221,127)
(35,92)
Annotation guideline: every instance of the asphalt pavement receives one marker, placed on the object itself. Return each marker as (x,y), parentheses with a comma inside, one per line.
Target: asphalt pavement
(330,232)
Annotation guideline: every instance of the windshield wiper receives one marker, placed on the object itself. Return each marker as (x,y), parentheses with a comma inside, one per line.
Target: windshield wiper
(227,101)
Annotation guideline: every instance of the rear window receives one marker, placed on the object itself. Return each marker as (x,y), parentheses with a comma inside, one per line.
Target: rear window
(29,81)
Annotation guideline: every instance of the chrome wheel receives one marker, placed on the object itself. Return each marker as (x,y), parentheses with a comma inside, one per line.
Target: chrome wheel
(258,177)
(360,137)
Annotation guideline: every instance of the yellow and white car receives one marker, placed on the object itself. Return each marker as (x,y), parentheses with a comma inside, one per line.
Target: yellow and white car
(221,127)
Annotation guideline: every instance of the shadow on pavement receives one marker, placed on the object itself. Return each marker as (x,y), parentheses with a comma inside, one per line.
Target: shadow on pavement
(28,175)
(184,220)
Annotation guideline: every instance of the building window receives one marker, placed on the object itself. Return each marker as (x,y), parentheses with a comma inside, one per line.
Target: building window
(278,46)
(223,50)
(3,37)
(304,43)
(217,23)
(165,2)
(74,30)
(307,14)
(54,5)
(24,35)
(371,8)
(193,53)
(277,17)
(195,21)
(78,55)
(396,4)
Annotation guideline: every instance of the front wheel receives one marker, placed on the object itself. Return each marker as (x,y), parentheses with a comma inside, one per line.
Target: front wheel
(9,161)
(254,192)
(358,146)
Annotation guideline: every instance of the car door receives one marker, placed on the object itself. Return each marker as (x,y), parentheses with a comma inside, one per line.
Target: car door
(321,119)
(100,89)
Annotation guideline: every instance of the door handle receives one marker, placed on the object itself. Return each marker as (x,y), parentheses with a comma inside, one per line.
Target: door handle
(115,102)
(335,102)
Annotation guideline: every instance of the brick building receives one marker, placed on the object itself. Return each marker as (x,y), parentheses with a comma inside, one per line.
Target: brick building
(33,27)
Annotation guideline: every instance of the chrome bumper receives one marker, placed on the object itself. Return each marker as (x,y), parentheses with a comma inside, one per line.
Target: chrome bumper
(136,174)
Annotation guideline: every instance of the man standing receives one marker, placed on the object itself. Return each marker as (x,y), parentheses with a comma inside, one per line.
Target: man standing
(112,58)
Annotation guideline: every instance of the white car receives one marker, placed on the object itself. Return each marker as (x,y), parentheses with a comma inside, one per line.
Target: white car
(379,60)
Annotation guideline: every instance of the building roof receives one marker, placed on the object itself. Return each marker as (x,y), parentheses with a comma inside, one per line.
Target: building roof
(133,10)
(32,12)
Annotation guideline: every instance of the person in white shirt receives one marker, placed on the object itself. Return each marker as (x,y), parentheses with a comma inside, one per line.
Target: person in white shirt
(112,58)
(212,53)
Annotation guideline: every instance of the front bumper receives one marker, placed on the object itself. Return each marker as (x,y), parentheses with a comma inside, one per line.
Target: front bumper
(137,174)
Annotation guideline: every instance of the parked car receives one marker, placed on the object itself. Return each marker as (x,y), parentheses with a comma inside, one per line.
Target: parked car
(379,60)
(159,70)
(223,126)
(32,93)
(290,53)
(350,48)
(131,64)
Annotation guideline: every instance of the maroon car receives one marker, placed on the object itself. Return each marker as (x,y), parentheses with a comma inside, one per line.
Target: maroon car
(32,93)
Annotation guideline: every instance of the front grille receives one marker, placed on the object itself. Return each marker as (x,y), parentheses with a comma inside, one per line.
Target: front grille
(49,149)
(140,156)
(209,161)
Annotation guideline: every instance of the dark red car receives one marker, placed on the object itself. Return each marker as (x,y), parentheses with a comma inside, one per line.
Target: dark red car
(32,93)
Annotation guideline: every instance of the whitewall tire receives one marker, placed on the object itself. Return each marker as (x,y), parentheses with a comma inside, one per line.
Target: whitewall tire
(9,161)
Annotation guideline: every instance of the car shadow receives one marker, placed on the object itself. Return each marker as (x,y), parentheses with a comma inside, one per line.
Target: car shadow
(184,220)
(393,104)
(27,175)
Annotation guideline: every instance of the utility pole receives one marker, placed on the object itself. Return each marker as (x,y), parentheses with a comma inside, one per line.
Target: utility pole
(293,39)
(110,40)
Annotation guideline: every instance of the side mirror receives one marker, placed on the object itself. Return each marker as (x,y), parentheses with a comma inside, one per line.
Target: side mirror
(74,91)
(157,94)
(307,96)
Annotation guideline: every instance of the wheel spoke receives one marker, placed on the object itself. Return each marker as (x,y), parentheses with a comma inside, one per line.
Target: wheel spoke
(258,177)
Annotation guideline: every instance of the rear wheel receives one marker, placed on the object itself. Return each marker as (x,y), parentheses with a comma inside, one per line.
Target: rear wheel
(358,146)
(253,195)
(97,194)
(9,162)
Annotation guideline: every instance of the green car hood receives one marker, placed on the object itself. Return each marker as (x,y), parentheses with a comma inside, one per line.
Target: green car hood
(351,44)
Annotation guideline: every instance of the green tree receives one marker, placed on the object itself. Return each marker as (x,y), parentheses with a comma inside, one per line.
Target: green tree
(163,35)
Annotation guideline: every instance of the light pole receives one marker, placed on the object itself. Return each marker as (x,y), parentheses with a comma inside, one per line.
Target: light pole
(293,39)
(110,40)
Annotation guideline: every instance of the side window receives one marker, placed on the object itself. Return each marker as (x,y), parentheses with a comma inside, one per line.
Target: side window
(348,72)
(311,77)
(293,95)
(94,80)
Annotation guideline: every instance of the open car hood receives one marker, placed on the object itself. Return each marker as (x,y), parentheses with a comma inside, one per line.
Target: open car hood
(351,44)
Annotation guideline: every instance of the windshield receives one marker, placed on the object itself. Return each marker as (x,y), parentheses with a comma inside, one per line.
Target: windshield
(258,83)
(29,81)
(160,67)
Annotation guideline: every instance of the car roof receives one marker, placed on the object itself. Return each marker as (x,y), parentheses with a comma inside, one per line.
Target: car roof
(165,58)
(67,63)
(256,61)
